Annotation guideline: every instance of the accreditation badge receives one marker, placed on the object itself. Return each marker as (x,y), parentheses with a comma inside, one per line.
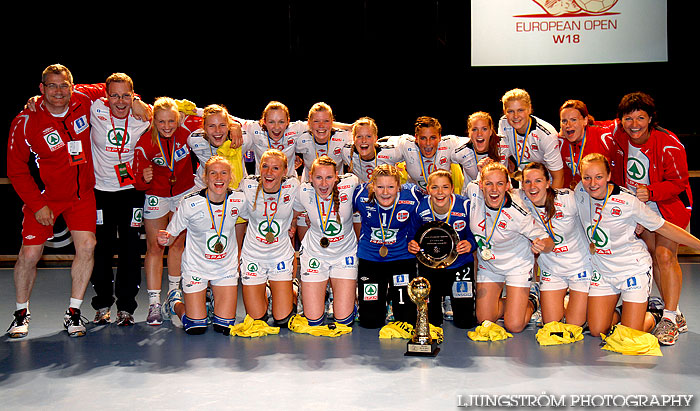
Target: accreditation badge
(125,175)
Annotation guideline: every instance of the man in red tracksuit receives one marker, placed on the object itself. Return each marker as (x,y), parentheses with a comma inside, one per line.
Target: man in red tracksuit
(652,162)
(56,137)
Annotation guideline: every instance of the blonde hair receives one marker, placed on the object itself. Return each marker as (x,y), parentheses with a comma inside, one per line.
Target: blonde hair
(214,160)
(324,160)
(270,153)
(364,122)
(162,104)
(273,105)
(516,94)
(441,173)
(595,158)
(320,106)
(494,166)
(56,69)
(211,110)
(382,170)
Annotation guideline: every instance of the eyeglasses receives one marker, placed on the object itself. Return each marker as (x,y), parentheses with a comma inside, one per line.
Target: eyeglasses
(54,86)
(125,96)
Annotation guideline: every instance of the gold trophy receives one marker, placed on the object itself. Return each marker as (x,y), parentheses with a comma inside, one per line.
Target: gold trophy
(422,343)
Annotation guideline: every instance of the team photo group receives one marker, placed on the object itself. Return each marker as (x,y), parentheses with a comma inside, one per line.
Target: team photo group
(325,222)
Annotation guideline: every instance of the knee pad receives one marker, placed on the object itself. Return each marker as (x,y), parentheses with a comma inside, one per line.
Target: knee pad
(283,322)
(319,321)
(221,325)
(194,326)
(349,319)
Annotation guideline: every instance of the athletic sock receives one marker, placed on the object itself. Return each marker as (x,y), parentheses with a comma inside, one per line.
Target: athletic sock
(173,283)
(671,315)
(153,297)
(21,306)
(75,303)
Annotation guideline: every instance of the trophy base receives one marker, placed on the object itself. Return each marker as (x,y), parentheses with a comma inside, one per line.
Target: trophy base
(422,350)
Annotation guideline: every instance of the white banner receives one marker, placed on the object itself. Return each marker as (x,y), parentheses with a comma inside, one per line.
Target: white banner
(544,32)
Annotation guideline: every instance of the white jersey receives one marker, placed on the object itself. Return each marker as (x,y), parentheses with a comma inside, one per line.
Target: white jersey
(256,138)
(363,169)
(310,150)
(619,252)
(470,166)
(200,257)
(340,234)
(451,149)
(201,148)
(570,254)
(508,238)
(110,145)
(541,144)
(268,212)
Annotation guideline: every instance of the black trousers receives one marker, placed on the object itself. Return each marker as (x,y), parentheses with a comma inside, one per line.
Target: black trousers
(119,233)
(379,282)
(460,284)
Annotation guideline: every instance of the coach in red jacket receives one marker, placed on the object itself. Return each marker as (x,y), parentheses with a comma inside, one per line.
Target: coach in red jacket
(652,162)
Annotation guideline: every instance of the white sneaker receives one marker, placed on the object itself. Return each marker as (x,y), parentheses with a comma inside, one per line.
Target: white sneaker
(174,296)
(19,327)
(154,315)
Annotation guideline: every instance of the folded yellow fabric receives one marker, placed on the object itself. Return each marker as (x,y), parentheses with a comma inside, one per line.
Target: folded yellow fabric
(187,107)
(402,329)
(252,328)
(555,332)
(489,331)
(628,341)
(299,324)
(235,157)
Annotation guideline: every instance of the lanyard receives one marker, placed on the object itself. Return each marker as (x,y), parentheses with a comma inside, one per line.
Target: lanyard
(595,226)
(170,166)
(223,217)
(547,225)
(574,162)
(449,212)
(120,150)
(391,218)
(267,217)
(324,224)
(493,230)
(515,142)
(422,168)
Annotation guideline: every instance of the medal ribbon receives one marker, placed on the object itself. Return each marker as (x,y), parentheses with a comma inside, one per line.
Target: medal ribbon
(223,216)
(391,218)
(574,162)
(495,222)
(515,141)
(271,220)
(422,168)
(324,224)
(547,225)
(595,227)
(449,212)
(170,166)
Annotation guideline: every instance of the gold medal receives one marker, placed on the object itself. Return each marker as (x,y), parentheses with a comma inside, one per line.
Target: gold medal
(591,248)
(324,242)
(269,236)
(172,179)
(383,251)
(218,247)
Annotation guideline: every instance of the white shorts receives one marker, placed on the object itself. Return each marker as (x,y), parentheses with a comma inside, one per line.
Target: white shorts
(634,288)
(157,207)
(301,219)
(259,272)
(518,277)
(580,281)
(194,284)
(315,269)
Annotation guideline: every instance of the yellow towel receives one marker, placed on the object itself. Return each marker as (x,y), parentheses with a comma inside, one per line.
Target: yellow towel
(489,331)
(252,328)
(455,169)
(402,329)
(629,341)
(235,157)
(555,332)
(299,324)
(187,107)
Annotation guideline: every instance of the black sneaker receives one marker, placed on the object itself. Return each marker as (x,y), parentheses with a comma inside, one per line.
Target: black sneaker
(19,327)
(102,316)
(124,319)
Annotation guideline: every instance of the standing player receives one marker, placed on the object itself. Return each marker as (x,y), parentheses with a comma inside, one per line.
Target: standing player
(163,169)
(211,251)
(267,255)
(365,154)
(529,138)
(580,136)
(56,136)
(385,267)
(656,169)
(115,131)
(427,151)
(273,130)
(456,280)
(507,235)
(329,248)
(568,266)
(621,261)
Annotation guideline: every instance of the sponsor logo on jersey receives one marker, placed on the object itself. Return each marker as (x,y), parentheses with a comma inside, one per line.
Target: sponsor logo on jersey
(53,140)
(371,292)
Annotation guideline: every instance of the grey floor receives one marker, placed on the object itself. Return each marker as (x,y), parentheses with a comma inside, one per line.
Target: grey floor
(145,367)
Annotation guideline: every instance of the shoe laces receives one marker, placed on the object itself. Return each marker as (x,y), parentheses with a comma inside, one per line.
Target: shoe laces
(20,318)
(75,317)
